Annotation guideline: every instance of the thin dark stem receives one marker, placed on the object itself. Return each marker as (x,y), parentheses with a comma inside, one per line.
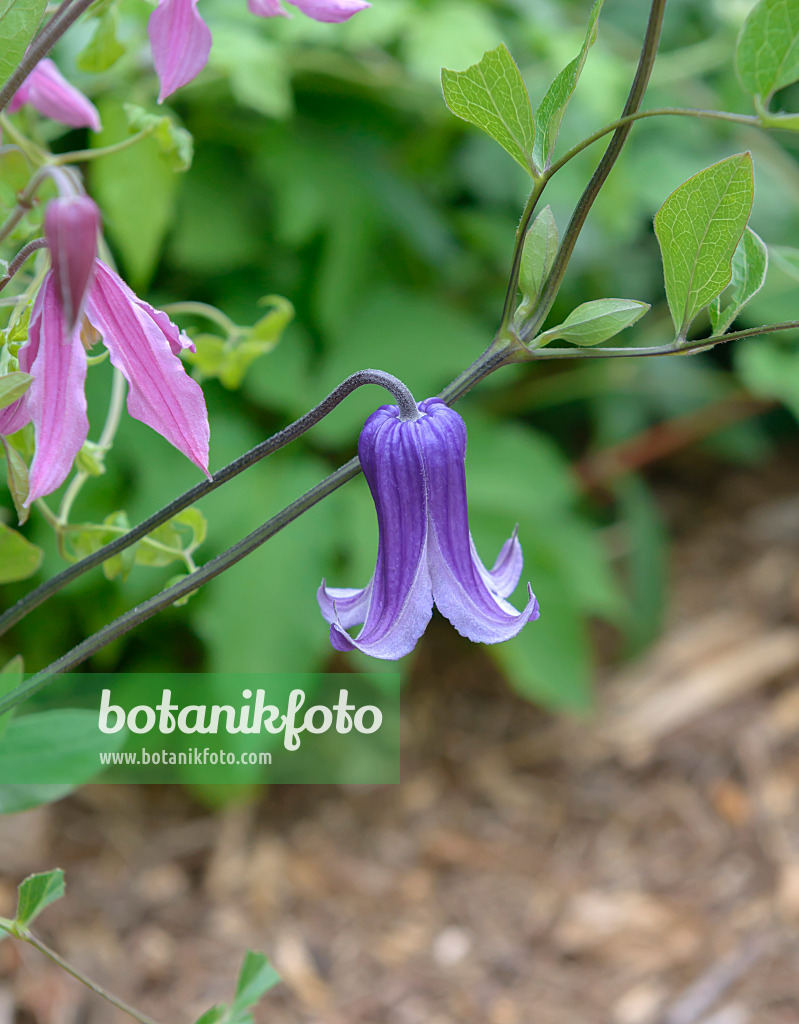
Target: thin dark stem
(672,349)
(611,155)
(33,599)
(67,13)
(19,259)
(148,608)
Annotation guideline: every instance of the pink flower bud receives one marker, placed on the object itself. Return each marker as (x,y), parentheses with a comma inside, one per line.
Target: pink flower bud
(71,224)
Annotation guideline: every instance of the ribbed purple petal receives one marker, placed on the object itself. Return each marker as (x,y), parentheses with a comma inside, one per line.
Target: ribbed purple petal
(344,605)
(461,589)
(17,415)
(401,601)
(330,10)
(50,93)
(161,393)
(71,224)
(180,42)
(267,8)
(56,399)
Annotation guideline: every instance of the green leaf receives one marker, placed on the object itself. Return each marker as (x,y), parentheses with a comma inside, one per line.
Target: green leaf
(17,480)
(19,20)
(15,173)
(595,322)
(492,95)
(768,48)
(36,893)
(54,751)
(553,106)
(136,189)
(19,559)
(271,326)
(698,228)
(213,1016)
(538,255)
(121,564)
(175,143)
(257,976)
(104,49)
(749,267)
(13,386)
(11,675)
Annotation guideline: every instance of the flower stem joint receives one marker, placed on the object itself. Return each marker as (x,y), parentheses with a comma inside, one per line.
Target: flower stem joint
(415,471)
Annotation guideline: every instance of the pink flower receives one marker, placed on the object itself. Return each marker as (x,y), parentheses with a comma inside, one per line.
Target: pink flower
(181,41)
(50,93)
(142,342)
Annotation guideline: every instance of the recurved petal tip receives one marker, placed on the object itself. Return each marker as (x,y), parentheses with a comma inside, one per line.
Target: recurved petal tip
(180,42)
(51,94)
(330,10)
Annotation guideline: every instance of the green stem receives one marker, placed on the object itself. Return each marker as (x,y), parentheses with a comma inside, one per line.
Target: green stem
(80,156)
(750,120)
(645,64)
(106,440)
(672,349)
(518,248)
(24,203)
(204,310)
(25,936)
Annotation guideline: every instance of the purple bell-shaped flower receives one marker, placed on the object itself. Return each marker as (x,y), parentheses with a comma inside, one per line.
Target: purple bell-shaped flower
(425,553)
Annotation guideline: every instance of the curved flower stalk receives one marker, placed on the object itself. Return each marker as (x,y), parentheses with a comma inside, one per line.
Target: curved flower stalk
(425,553)
(181,41)
(142,342)
(51,94)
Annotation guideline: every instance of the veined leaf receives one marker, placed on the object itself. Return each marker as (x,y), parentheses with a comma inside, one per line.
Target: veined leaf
(749,266)
(538,255)
(553,106)
(256,977)
(13,386)
(19,559)
(17,480)
(37,892)
(19,20)
(768,48)
(594,322)
(492,95)
(698,228)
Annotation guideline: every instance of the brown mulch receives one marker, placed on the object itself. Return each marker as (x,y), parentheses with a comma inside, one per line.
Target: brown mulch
(638,868)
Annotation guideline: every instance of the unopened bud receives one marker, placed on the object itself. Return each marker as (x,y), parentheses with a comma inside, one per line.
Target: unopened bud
(71,224)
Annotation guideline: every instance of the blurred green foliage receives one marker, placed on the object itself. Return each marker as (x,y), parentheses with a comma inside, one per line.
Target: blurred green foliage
(328,170)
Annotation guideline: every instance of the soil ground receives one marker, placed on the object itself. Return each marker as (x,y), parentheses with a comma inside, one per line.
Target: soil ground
(641,867)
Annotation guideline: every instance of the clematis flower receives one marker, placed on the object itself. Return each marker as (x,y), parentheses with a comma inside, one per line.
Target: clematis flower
(142,343)
(425,553)
(180,40)
(50,93)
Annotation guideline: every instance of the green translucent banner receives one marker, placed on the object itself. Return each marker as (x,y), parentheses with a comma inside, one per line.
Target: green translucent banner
(207,729)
